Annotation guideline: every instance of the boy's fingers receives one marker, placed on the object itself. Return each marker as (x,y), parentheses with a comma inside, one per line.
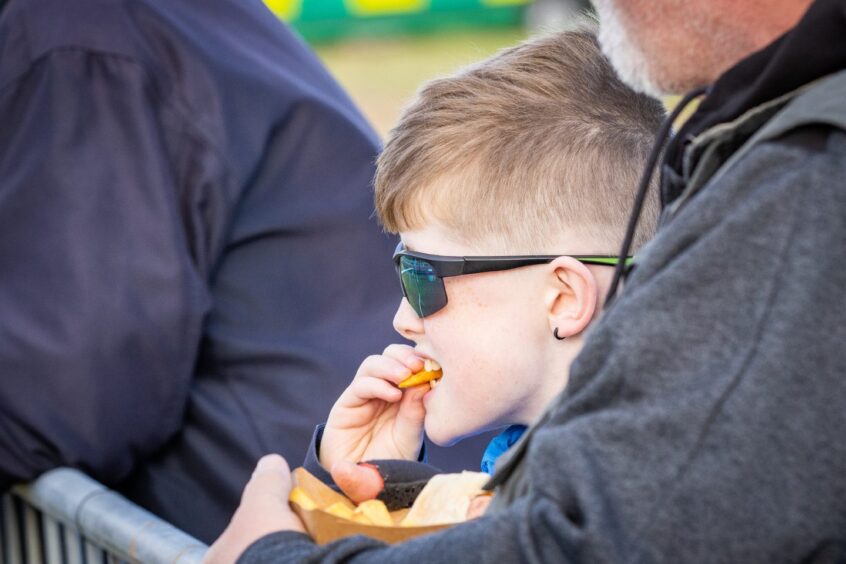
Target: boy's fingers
(406,355)
(411,410)
(359,482)
(408,427)
(398,350)
(384,367)
(365,389)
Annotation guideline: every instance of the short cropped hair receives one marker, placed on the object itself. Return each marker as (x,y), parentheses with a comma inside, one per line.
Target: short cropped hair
(540,136)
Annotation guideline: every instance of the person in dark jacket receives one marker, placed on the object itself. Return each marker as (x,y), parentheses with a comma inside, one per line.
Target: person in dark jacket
(189,273)
(703,420)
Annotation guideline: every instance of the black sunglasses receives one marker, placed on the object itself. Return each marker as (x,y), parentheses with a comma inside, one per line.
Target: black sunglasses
(422,276)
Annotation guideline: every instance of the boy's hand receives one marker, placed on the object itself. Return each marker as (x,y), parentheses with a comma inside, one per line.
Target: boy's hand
(373,419)
(358,482)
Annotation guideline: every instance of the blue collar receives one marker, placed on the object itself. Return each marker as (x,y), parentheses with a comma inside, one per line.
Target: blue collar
(499,444)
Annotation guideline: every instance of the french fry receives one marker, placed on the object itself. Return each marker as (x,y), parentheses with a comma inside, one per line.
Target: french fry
(328,515)
(338,509)
(301,498)
(376,512)
(431,371)
(361,519)
(419,378)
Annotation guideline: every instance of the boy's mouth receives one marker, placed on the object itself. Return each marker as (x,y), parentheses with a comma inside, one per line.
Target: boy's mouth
(433,366)
(430,374)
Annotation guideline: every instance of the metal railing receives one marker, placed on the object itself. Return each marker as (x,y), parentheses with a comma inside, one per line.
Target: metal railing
(65,517)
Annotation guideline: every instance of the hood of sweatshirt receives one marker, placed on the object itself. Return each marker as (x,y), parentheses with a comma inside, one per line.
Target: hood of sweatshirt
(814,48)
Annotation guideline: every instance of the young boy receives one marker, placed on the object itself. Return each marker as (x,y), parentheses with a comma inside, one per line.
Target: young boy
(535,152)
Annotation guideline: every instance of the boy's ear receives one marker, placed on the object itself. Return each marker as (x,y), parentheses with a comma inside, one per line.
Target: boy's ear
(570,296)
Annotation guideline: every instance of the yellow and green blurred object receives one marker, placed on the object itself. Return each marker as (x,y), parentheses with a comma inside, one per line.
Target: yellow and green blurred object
(321,20)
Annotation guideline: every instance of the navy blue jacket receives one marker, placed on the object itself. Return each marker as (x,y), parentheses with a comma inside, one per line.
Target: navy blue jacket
(186,242)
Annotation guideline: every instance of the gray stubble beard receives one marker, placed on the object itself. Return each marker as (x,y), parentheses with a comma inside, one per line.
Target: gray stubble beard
(629,61)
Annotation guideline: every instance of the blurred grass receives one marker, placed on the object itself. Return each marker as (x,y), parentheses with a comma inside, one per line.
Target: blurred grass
(382,75)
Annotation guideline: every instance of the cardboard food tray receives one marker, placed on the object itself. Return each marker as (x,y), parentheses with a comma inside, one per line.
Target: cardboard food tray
(324,527)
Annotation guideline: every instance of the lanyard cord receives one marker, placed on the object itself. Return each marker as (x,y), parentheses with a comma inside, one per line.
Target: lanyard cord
(660,140)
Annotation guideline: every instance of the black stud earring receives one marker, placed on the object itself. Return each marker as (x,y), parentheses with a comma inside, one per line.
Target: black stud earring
(555,333)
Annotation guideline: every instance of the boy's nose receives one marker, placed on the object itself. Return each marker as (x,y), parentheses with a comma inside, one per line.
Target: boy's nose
(406,322)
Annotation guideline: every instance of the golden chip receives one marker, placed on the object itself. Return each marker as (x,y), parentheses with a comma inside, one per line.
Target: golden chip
(419,378)
(376,512)
(338,509)
(301,498)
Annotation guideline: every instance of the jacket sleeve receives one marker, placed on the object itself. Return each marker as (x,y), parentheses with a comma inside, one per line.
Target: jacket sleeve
(511,536)
(703,420)
(101,307)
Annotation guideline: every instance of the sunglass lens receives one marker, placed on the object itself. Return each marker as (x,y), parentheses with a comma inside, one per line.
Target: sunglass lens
(423,288)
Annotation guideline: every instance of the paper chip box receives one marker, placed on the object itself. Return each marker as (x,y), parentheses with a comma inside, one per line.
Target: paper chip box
(324,527)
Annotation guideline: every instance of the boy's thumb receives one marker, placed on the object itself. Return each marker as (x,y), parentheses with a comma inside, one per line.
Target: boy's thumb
(359,482)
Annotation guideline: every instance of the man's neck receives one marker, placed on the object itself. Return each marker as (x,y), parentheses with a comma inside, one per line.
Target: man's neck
(766,27)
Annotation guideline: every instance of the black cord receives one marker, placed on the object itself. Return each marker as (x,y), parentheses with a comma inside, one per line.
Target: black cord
(643,188)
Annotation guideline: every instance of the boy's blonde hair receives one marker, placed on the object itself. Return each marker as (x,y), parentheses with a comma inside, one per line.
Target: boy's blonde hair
(539,137)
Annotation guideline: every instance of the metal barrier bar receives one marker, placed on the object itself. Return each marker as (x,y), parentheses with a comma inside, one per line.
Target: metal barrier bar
(65,517)
(11,531)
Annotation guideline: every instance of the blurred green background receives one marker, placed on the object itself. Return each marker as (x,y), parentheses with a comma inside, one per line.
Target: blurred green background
(320,20)
(382,50)
(382,75)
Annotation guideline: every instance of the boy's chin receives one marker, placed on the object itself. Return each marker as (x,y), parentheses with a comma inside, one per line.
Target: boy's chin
(444,437)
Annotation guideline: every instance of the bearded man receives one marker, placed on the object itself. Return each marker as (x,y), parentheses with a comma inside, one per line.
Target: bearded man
(704,418)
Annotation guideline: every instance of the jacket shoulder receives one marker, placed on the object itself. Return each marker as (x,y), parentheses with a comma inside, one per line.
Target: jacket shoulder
(822,102)
(31,29)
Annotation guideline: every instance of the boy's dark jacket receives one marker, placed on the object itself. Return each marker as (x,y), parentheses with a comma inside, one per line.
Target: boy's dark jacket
(704,419)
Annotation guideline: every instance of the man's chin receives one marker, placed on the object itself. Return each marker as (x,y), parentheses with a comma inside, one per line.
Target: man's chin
(626,56)
(628,61)
(638,78)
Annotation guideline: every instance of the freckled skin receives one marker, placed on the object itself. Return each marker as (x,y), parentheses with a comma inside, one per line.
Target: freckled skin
(493,340)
